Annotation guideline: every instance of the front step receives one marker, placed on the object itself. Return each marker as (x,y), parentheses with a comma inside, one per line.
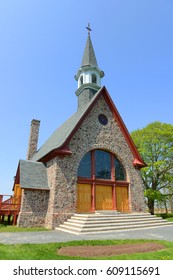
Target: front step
(110,222)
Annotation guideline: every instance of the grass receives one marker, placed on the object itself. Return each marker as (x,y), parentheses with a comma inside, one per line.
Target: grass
(49,251)
(6,228)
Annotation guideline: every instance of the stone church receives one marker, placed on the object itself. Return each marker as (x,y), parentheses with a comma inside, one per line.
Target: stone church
(90,163)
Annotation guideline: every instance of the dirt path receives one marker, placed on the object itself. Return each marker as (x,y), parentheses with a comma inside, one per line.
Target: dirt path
(110,250)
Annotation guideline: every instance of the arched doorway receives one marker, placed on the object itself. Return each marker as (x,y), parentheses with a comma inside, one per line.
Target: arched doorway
(102,183)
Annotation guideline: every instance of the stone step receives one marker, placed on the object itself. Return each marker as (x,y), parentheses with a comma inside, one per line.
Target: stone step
(100,223)
(102,217)
(109,217)
(107,222)
(75,230)
(113,220)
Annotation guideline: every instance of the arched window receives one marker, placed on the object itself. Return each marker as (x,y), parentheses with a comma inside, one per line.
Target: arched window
(101,164)
(94,79)
(81,80)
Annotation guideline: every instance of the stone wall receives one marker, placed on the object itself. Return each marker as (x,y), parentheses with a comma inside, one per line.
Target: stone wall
(34,206)
(63,192)
(62,172)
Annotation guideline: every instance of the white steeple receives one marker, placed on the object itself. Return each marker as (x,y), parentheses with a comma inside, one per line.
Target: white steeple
(89,74)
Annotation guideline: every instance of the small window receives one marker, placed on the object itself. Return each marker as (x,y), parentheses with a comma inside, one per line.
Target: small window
(94,79)
(119,171)
(81,80)
(103,119)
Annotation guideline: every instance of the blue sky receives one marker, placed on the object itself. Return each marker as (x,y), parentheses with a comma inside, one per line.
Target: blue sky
(42,43)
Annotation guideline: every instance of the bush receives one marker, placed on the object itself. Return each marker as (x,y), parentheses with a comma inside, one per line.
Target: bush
(165,215)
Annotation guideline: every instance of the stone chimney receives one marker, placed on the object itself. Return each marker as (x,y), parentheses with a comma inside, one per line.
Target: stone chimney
(33,139)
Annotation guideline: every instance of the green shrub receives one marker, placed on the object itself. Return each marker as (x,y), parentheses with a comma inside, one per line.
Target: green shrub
(165,215)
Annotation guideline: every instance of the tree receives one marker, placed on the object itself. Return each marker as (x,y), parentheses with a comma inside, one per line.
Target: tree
(155,144)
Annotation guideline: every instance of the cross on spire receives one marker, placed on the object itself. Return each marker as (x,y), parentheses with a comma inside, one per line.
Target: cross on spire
(89,29)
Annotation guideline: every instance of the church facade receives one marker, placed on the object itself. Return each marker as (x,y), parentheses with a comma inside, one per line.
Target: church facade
(88,164)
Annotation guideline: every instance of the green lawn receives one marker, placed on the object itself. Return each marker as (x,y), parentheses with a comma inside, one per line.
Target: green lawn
(6,228)
(50,251)
(170,219)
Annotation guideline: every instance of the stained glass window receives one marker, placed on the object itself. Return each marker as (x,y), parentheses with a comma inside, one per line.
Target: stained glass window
(84,169)
(119,170)
(102,164)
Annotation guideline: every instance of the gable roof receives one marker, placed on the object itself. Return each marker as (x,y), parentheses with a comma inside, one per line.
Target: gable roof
(58,141)
(32,175)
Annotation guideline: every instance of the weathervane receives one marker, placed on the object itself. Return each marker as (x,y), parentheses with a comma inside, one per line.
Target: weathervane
(89,29)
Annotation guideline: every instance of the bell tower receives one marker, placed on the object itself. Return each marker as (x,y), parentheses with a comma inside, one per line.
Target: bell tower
(89,74)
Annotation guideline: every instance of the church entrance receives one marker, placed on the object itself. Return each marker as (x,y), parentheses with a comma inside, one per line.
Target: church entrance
(83,198)
(103,198)
(101,183)
(122,200)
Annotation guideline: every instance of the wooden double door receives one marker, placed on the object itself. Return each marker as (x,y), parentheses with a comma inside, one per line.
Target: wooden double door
(103,198)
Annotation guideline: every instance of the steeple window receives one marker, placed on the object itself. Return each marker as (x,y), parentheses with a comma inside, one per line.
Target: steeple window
(94,79)
(81,80)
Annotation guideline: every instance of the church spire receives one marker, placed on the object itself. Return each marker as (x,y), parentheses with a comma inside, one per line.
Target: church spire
(89,74)
(89,57)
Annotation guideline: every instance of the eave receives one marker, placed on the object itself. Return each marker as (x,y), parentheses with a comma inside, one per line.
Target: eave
(17,177)
(139,164)
(59,152)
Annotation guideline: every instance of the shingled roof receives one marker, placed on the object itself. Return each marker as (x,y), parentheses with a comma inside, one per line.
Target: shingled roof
(89,57)
(33,175)
(58,138)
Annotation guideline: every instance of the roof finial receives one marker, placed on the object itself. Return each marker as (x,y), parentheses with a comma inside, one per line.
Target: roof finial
(89,29)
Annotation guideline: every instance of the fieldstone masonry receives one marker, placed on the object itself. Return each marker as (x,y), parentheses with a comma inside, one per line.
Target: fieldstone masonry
(90,135)
(34,207)
(53,207)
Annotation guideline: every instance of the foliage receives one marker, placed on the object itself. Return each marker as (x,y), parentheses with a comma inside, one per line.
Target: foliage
(168,216)
(49,251)
(155,144)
